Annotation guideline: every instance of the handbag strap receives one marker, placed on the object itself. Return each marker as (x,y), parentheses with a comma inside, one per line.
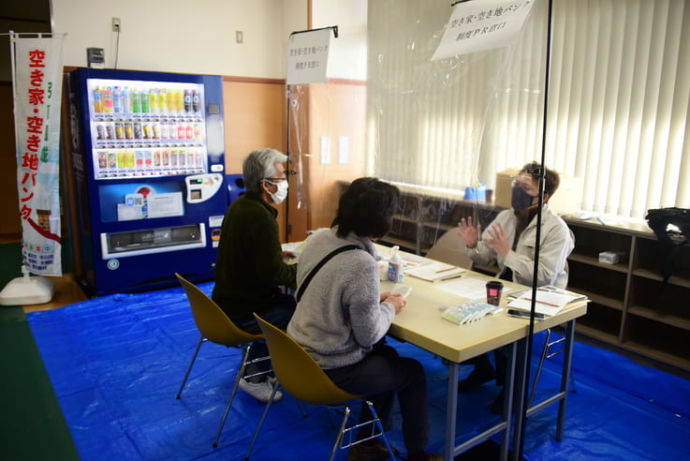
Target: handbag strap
(321,263)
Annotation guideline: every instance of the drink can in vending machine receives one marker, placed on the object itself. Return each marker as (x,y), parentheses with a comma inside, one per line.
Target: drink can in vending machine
(148,159)
(198,160)
(157,158)
(172,131)
(190,160)
(119,131)
(181,158)
(112,160)
(173,157)
(148,132)
(129,130)
(138,133)
(130,159)
(139,160)
(121,160)
(166,157)
(197,132)
(102,161)
(156,130)
(195,101)
(100,132)
(109,131)
(187,101)
(165,131)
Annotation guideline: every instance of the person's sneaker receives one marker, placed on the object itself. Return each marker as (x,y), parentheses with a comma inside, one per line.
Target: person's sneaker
(371,450)
(479,376)
(261,391)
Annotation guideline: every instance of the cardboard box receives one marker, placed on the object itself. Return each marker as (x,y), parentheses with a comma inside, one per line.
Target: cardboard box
(566,199)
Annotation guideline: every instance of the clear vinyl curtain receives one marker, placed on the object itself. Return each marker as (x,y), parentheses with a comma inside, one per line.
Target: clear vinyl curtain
(618,102)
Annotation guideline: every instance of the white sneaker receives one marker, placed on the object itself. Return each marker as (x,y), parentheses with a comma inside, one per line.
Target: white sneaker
(261,391)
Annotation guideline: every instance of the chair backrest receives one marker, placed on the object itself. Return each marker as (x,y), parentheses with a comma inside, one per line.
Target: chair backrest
(450,249)
(211,320)
(297,371)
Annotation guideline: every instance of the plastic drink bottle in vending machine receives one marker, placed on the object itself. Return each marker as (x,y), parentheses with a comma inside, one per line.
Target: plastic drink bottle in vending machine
(180,131)
(162,101)
(97,104)
(195,101)
(136,101)
(171,101)
(187,101)
(124,96)
(190,132)
(153,100)
(144,102)
(108,100)
(117,100)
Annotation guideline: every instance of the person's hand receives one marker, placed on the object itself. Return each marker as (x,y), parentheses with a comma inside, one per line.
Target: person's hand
(397,301)
(468,232)
(289,255)
(385,295)
(498,241)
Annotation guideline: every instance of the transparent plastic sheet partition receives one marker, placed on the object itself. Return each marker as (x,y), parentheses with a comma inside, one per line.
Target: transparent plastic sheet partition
(439,130)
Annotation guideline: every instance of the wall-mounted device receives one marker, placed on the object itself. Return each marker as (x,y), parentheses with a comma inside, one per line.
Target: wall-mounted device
(95,58)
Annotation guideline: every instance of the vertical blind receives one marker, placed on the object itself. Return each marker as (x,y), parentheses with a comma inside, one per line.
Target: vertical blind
(619,93)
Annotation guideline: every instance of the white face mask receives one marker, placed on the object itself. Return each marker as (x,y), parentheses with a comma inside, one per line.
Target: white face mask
(279,195)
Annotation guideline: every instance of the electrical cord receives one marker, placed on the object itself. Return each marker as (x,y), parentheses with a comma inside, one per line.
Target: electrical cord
(117,47)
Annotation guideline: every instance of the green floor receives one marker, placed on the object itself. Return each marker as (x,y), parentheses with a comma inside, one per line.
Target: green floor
(33,427)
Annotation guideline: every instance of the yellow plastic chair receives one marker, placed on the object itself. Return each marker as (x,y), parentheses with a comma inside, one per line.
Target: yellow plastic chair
(300,375)
(216,327)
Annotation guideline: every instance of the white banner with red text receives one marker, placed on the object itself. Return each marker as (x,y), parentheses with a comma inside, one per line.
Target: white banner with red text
(38,94)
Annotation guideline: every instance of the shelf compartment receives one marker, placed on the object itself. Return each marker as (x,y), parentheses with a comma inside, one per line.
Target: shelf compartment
(657,340)
(649,260)
(590,242)
(598,283)
(600,322)
(592,261)
(661,302)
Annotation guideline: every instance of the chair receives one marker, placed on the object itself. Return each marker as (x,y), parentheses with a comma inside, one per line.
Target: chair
(300,375)
(216,327)
(450,249)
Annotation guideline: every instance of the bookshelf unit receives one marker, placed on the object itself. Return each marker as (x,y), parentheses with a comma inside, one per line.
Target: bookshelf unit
(631,310)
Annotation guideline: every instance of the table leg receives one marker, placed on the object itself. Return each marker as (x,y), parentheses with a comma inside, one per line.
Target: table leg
(519,406)
(451,410)
(565,376)
(508,408)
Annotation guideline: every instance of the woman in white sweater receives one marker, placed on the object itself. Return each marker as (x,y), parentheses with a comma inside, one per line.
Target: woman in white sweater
(342,318)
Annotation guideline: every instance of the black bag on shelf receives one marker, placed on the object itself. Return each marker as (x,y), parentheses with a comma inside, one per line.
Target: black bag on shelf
(672,229)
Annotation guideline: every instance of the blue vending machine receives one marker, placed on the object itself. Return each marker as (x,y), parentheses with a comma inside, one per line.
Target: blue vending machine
(147,165)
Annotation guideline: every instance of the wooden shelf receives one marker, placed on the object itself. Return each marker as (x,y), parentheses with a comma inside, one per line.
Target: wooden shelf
(597,334)
(651,314)
(592,261)
(606,301)
(661,356)
(681,280)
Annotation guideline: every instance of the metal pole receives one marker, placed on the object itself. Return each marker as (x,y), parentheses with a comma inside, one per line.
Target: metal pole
(528,353)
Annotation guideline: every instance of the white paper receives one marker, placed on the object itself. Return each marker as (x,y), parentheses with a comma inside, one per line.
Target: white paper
(465,287)
(343,150)
(162,205)
(548,303)
(482,25)
(308,56)
(325,150)
(435,271)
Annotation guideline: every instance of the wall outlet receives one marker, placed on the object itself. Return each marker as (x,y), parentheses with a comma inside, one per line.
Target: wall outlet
(116,25)
(239,36)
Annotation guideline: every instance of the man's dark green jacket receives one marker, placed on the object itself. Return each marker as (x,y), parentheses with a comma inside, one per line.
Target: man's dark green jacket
(250,266)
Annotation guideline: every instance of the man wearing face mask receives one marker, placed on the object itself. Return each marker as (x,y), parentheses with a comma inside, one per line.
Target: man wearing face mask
(510,242)
(251,264)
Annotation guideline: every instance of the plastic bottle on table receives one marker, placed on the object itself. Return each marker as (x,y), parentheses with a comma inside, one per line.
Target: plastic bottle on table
(395,266)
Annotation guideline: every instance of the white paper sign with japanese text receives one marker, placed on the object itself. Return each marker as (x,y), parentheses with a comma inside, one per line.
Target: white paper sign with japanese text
(479,25)
(308,56)
(38,83)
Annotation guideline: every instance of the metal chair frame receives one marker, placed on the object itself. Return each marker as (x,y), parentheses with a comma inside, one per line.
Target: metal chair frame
(545,354)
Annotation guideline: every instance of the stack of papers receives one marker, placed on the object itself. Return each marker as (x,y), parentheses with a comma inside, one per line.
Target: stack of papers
(550,300)
(435,271)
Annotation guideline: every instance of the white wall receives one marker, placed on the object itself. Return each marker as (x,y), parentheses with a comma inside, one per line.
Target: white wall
(348,56)
(182,35)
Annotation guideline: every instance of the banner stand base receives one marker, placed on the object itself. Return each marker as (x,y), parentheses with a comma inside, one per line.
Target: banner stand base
(27,290)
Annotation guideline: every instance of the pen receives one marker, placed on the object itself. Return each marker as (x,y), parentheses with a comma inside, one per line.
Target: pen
(445,270)
(601,221)
(543,302)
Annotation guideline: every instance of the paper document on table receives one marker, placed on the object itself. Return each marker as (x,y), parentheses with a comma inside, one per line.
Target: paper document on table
(548,302)
(466,287)
(435,271)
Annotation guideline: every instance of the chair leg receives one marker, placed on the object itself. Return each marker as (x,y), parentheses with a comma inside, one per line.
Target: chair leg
(340,432)
(240,373)
(189,368)
(541,363)
(261,421)
(380,426)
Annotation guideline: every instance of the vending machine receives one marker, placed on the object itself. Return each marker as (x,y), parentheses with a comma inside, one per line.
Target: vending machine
(147,165)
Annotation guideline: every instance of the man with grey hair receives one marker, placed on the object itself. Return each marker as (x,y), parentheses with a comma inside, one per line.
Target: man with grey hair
(250,264)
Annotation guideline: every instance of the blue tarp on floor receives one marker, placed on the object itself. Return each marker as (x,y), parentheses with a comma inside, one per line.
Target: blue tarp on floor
(116,363)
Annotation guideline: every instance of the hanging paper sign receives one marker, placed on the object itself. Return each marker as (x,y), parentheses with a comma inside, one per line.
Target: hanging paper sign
(38,85)
(479,25)
(308,56)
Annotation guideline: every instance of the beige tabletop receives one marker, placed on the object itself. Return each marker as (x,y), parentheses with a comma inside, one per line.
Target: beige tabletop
(420,322)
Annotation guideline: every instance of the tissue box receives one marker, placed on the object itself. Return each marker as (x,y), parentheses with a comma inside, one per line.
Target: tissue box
(611,257)
(566,199)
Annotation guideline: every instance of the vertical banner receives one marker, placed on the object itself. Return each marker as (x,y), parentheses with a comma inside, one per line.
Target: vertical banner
(38,94)
(308,56)
(482,25)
